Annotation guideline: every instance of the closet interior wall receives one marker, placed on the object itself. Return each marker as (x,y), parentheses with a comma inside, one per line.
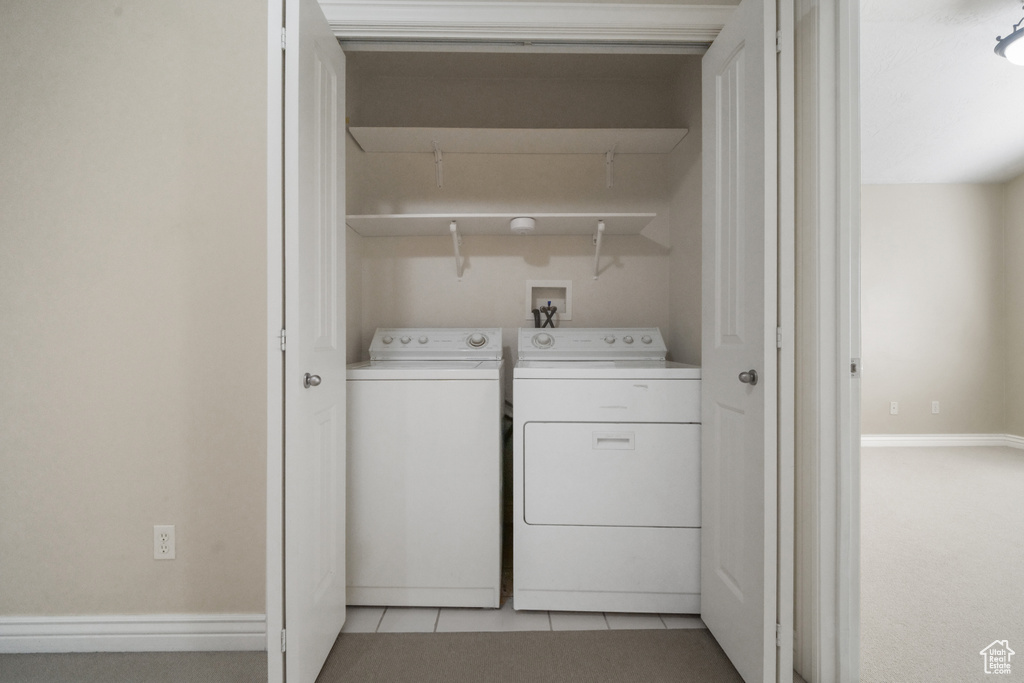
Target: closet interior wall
(411,281)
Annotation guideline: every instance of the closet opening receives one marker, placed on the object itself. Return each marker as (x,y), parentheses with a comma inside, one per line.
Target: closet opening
(476,139)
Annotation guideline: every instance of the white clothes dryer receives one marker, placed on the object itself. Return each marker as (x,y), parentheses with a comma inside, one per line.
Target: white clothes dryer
(606,473)
(424,469)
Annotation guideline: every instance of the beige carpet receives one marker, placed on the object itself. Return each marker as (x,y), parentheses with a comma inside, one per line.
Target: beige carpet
(529,657)
(942,562)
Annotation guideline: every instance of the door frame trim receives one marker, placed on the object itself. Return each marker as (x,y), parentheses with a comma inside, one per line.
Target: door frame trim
(275,355)
(786,369)
(445,20)
(827,644)
(834,635)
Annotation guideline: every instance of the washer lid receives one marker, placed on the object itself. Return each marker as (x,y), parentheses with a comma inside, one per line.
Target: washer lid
(436,343)
(591,343)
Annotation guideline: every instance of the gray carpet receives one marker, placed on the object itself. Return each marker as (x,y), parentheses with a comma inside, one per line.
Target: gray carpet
(135,667)
(529,657)
(679,656)
(942,562)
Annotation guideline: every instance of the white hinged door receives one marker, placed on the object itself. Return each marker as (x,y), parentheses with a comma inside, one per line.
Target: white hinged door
(314,368)
(738,548)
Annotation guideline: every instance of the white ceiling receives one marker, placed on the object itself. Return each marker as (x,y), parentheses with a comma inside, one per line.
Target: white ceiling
(937,104)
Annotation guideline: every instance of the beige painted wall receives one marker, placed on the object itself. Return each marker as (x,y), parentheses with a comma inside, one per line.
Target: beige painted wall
(685,259)
(1013,260)
(133,297)
(412,282)
(934,309)
(355,346)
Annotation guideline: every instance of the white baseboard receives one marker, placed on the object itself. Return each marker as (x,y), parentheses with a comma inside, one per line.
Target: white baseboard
(134,633)
(940,440)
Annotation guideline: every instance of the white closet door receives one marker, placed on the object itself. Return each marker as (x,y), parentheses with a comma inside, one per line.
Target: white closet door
(314,191)
(738,549)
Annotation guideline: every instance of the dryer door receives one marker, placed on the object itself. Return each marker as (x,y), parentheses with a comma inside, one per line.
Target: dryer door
(611,474)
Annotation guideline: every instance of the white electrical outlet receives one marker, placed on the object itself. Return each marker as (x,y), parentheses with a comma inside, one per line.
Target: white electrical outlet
(894,407)
(935,407)
(163,542)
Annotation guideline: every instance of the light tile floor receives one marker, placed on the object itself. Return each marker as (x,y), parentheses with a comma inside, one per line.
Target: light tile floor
(451,619)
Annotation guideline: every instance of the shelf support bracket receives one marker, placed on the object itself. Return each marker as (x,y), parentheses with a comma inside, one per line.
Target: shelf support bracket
(597,245)
(456,241)
(438,163)
(609,166)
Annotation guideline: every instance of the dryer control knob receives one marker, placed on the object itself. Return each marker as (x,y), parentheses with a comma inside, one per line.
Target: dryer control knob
(405,340)
(646,340)
(627,339)
(387,339)
(610,339)
(543,340)
(476,340)
(423,340)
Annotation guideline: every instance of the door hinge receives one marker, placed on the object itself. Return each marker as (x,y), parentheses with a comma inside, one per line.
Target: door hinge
(855,367)
(778,337)
(284,640)
(284,38)
(778,635)
(778,41)
(284,340)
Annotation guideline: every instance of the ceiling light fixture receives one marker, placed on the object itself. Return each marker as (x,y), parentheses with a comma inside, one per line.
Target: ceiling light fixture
(523,225)
(1012,46)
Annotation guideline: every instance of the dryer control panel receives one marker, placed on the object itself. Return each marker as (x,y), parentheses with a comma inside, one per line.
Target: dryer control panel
(591,343)
(436,343)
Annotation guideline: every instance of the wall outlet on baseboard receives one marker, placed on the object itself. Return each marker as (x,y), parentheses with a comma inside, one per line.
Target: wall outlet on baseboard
(935,407)
(894,407)
(163,542)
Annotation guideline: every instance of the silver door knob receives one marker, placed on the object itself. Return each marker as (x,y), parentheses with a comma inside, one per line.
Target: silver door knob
(311,380)
(749,377)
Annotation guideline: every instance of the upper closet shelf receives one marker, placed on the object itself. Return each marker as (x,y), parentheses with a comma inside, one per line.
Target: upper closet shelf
(410,224)
(519,140)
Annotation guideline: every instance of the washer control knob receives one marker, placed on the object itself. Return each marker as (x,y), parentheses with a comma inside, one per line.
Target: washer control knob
(610,339)
(646,339)
(476,340)
(543,340)
(405,340)
(627,339)
(423,339)
(387,339)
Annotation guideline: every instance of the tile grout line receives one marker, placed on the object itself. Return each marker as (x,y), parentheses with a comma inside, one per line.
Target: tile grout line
(380,620)
(437,618)
(551,626)
(607,626)
(663,622)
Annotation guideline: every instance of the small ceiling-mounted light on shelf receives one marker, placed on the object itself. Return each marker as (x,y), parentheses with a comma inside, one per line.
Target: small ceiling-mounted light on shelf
(523,225)
(1012,46)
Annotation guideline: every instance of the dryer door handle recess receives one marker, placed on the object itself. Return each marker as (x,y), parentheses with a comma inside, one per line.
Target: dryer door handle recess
(614,441)
(749,377)
(309,380)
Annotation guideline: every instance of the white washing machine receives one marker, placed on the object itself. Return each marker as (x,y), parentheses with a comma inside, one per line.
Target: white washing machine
(606,473)
(424,469)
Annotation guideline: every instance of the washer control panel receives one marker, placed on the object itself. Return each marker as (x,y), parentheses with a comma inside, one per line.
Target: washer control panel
(436,343)
(591,343)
